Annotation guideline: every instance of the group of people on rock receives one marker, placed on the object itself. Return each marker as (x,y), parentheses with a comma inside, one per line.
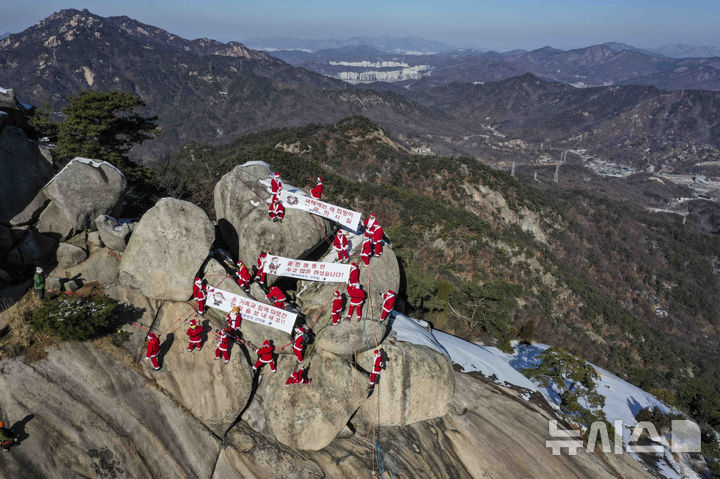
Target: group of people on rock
(372,246)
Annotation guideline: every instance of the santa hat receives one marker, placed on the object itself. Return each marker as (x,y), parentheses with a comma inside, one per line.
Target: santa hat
(198,281)
(193,322)
(151,336)
(319,181)
(354,265)
(276,174)
(390,291)
(266,343)
(336,293)
(239,263)
(376,352)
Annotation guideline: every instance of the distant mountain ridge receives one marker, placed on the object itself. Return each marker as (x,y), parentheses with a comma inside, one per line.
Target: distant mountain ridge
(388,44)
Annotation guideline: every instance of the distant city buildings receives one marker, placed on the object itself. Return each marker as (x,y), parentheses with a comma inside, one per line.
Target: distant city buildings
(407,73)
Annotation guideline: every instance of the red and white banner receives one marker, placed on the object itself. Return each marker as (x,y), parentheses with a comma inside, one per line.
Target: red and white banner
(348,218)
(308,270)
(251,310)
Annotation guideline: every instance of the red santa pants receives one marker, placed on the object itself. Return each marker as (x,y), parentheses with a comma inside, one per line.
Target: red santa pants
(342,254)
(260,362)
(224,353)
(201,305)
(351,309)
(243,283)
(195,344)
(298,354)
(280,304)
(154,361)
(373,377)
(384,314)
(378,248)
(336,317)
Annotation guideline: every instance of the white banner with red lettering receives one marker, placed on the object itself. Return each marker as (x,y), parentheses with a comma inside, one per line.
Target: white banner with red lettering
(347,218)
(308,270)
(251,310)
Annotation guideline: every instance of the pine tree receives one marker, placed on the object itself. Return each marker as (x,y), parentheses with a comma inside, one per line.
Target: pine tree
(103,126)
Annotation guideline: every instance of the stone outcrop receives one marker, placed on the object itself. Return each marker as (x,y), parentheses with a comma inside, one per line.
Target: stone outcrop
(78,194)
(69,255)
(241,207)
(102,266)
(25,171)
(32,249)
(309,416)
(113,234)
(167,249)
(418,384)
(214,391)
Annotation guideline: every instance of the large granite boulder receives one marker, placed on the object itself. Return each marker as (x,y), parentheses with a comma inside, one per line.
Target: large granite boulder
(166,250)
(310,416)
(113,234)
(214,391)
(417,384)
(241,205)
(78,194)
(32,249)
(25,171)
(69,255)
(102,266)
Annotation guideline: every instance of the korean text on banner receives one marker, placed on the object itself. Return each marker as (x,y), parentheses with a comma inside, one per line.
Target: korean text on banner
(251,310)
(308,270)
(348,218)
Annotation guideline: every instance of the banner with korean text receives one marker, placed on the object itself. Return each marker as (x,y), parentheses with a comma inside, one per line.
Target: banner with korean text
(251,310)
(308,270)
(348,218)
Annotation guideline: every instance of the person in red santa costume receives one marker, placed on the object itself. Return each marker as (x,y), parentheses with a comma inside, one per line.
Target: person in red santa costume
(388,303)
(316,192)
(243,276)
(341,243)
(261,275)
(369,225)
(357,297)
(377,367)
(377,239)
(223,346)
(297,377)
(278,296)
(366,251)
(299,344)
(337,307)
(195,333)
(200,295)
(276,210)
(354,275)
(265,356)
(234,320)
(276,184)
(153,349)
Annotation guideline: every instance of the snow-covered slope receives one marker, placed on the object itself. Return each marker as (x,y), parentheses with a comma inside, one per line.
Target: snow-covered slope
(622,399)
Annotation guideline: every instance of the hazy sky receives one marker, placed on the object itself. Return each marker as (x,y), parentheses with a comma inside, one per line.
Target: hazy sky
(499,24)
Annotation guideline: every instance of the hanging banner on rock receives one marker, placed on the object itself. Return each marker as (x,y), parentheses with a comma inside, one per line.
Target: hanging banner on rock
(308,270)
(348,218)
(251,310)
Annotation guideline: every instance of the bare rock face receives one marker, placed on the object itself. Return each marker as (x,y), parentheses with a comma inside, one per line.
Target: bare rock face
(249,455)
(350,337)
(78,194)
(25,171)
(69,255)
(102,266)
(241,204)
(309,416)
(418,384)
(214,391)
(32,249)
(114,235)
(167,249)
(99,418)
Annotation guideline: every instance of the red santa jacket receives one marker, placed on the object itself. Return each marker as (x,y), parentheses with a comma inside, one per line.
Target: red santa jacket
(234,320)
(261,261)
(377,233)
(276,185)
(265,354)
(223,343)
(277,208)
(357,295)
(244,273)
(153,347)
(377,363)
(340,242)
(199,292)
(316,192)
(367,246)
(354,274)
(195,333)
(276,294)
(337,305)
(389,299)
